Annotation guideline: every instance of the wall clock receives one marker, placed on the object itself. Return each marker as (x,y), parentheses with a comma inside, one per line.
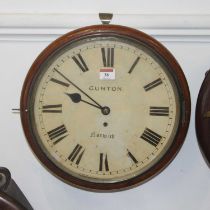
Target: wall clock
(203,117)
(105,107)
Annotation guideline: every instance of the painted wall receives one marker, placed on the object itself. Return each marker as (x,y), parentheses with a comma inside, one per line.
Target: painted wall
(27,27)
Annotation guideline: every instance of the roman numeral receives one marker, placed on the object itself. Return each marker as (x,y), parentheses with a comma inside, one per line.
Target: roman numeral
(103,164)
(151,137)
(132,157)
(159,111)
(153,84)
(80,62)
(134,65)
(57,108)
(59,82)
(108,57)
(65,84)
(76,154)
(57,134)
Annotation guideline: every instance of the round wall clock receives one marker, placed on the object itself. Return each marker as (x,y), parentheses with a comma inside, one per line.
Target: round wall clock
(203,117)
(105,107)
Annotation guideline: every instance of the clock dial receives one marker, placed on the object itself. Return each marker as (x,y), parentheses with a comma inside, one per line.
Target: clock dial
(104,109)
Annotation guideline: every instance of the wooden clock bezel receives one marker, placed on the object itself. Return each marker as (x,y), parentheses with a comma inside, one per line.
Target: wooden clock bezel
(108,30)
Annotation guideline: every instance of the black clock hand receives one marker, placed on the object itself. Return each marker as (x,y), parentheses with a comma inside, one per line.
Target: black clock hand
(76,98)
(78,88)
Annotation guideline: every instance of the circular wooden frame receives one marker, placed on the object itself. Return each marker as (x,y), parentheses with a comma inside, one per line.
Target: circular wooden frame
(109,30)
(203,118)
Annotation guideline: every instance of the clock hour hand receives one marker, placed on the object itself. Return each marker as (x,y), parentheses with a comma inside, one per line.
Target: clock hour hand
(76,98)
(67,79)
(104,109)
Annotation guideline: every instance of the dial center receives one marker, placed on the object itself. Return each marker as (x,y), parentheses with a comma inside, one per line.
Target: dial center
(105,110)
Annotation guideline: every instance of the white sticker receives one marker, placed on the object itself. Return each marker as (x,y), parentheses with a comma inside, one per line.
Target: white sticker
(107,74)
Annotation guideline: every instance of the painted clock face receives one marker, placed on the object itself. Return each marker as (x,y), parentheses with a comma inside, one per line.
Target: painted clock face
(103,109)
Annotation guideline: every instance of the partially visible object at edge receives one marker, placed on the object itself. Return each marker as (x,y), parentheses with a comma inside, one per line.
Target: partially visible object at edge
(11,197)
(203,118)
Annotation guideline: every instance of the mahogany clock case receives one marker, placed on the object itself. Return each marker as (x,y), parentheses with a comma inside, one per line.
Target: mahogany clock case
(203,118)
(119,31)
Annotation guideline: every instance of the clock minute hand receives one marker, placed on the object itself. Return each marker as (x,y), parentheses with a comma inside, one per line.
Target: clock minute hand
(76,98)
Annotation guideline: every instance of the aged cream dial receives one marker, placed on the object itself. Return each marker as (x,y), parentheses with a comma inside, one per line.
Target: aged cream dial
(104,109)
